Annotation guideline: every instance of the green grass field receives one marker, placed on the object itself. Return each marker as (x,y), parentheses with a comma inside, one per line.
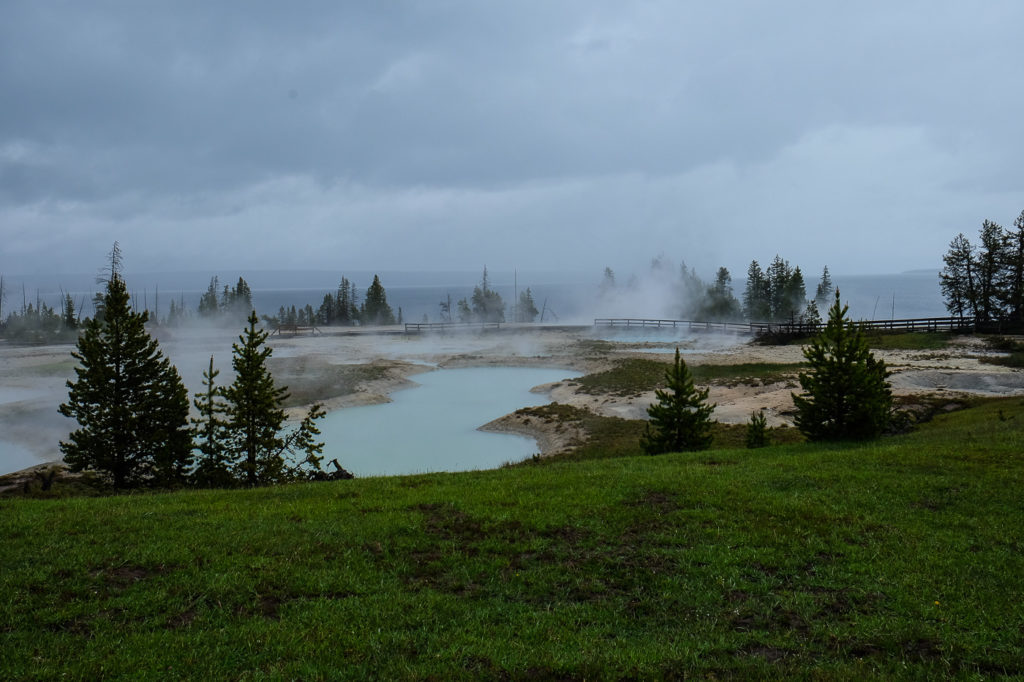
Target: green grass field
(900,558)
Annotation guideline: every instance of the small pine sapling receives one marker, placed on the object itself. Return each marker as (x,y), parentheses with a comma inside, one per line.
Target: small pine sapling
(757,430)
(681,417)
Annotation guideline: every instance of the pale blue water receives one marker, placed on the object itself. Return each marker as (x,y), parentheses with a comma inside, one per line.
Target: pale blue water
(433,427)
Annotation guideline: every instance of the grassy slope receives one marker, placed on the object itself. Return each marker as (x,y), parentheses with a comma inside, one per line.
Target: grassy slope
(901,557)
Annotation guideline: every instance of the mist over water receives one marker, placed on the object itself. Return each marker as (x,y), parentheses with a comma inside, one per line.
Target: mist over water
(572,299)
(29,396)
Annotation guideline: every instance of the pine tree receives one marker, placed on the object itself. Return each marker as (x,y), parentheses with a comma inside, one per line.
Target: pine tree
(1014,289)
(957,279)
(172,438)
(719,303)
(465,313)
(526,311)
(778,275)
(756,297)
(487,303)
(353,297)
(846,395)
(811,318)
(690,292)
(824,290)
(989,268)
(237,302)
(325,314)
(129,401)
(681,418)
(70,321)
(256,417)
(343,306)
(794,296)
(215,465)
(376,310)
(208,305)
(757,430)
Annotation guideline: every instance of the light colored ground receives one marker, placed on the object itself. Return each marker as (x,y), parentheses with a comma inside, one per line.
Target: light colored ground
(341,369)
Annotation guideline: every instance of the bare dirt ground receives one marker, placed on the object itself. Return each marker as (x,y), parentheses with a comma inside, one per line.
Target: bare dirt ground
(342,369)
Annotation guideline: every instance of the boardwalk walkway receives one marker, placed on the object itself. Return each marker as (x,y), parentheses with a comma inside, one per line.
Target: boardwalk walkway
(922,324)
(443,327)
(294,330)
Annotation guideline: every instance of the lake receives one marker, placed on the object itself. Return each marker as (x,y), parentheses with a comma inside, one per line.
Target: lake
(433,426)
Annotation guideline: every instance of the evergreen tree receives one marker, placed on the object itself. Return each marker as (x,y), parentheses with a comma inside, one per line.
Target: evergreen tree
(172,453)
(465,313)
(957,278)
(1014,278)
(375,310)
(691,291)
(811,317)
(238,301)
(487,303)
(325,314)
(778,276)
(343,304)
(70,322)
(526,311)
(208,306)
(794,296)
(256,417)
(215,466)
(824,290)
(757,430)
(681,418)
(989,268)
(129,401)
(756,297)
(720,305)
(846,395)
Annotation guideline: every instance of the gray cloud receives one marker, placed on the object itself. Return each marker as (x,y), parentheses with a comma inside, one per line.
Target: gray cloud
(447,134)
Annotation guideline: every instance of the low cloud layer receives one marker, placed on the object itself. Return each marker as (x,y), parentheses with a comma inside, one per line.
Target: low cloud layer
(534,135)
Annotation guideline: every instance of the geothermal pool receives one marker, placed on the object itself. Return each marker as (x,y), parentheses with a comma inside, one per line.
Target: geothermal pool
(433,426)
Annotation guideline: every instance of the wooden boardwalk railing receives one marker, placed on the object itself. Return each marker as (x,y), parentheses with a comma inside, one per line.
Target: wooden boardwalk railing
(688,325)
(294,329)
(926,324)
(423,327)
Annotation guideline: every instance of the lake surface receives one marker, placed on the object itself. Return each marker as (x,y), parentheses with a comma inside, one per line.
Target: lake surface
(433,427)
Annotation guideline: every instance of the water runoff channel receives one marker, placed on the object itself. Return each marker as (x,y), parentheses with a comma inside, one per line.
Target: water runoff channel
(434,426)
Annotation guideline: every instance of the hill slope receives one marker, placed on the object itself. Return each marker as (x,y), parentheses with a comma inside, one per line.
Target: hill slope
(901,557)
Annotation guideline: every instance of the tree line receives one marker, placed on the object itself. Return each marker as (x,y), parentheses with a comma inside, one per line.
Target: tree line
(776,293)
(985,280)
(37,322)
(132,410)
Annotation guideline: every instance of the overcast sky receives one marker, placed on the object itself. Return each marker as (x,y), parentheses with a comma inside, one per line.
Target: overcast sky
(533,135)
